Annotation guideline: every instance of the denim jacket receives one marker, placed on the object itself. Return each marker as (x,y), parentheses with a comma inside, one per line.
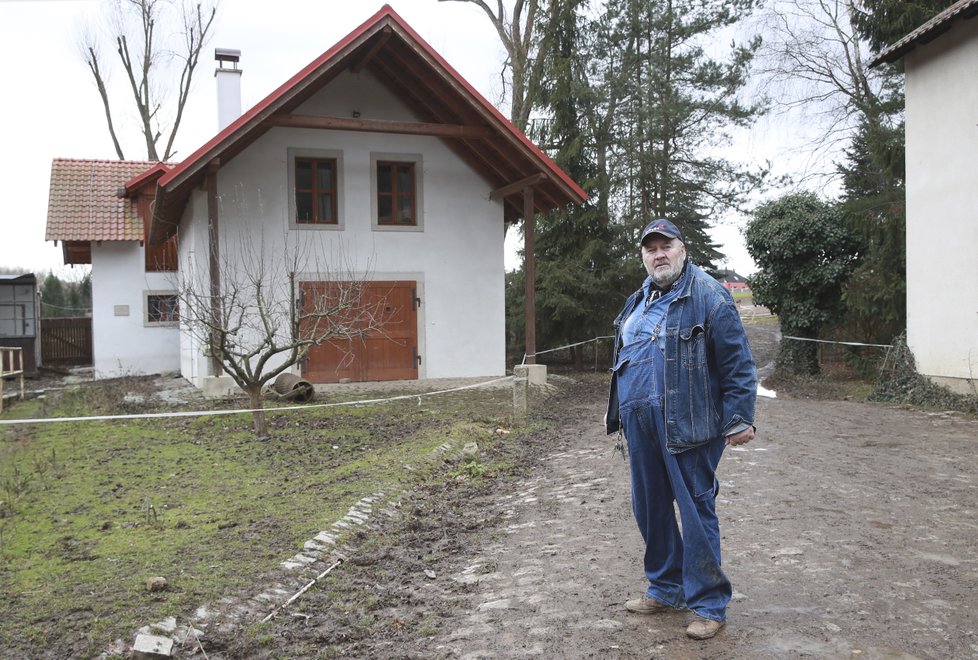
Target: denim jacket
(710,380)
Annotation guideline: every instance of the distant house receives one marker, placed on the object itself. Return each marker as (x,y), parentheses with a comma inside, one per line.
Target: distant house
(19,313)
(939,61)
(377,150)
(733,282)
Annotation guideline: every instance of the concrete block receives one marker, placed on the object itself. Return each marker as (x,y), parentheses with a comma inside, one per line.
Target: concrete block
(149,647)
(216,387)
(536,374)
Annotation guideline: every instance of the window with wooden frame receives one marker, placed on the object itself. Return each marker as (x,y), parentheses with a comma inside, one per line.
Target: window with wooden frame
(396,193)
(315,191)
(162,308)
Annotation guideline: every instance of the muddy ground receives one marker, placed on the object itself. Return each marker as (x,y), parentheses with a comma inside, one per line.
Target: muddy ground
(849,531)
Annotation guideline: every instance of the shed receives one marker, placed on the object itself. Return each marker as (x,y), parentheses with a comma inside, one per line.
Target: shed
(19,311)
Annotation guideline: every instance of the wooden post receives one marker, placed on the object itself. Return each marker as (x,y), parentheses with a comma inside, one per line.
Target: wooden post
(530,273)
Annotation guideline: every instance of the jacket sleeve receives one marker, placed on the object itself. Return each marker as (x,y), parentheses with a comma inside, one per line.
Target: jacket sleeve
(735,369)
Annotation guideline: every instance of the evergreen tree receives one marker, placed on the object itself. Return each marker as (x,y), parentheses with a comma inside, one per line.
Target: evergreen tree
(53,302)
(884,22)
(676,110)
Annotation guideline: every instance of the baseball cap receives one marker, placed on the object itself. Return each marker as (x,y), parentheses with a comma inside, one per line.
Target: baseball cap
(663,227)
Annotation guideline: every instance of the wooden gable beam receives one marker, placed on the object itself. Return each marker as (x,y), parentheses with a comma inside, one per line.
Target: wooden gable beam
(380,126)
(517,186)
(382,39)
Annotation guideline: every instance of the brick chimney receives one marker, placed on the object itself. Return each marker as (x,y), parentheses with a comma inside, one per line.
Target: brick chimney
(228,86)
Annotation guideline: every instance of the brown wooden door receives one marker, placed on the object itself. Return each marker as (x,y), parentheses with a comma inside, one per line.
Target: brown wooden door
(386,314)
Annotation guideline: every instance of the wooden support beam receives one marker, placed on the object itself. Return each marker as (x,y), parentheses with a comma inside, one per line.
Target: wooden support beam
(382,39)
(379,126)
(530,274)
(516,186)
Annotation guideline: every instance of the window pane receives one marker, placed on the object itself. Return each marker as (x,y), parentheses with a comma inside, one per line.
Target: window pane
(384,208)
(326,208)
(161,308)
(303,207)
(383,178)
(405,179)
(303,174)
(405,210)
(324,169)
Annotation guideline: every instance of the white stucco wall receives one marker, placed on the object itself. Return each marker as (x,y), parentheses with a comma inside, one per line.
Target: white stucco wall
(122,343)
(456,257)
(942,206)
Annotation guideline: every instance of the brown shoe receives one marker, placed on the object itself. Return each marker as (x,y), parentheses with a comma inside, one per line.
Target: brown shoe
(703,628)
(646,605)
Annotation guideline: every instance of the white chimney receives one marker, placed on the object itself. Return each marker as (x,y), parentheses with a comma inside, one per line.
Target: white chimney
(228,86)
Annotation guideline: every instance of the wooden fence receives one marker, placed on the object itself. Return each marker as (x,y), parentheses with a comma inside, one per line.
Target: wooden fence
(66,342)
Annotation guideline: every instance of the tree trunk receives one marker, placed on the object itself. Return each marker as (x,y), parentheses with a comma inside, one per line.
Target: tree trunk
(256,403)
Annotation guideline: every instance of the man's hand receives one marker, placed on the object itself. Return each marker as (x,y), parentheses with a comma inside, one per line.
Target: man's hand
(741,438)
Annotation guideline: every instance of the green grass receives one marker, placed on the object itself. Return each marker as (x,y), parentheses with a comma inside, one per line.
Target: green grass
(90,510)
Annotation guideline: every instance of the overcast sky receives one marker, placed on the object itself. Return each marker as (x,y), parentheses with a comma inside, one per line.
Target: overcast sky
(51,108)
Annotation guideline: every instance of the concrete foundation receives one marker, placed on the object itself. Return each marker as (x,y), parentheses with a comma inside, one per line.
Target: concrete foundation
(216,387)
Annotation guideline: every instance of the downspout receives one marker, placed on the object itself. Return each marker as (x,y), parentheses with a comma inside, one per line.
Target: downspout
(214,258)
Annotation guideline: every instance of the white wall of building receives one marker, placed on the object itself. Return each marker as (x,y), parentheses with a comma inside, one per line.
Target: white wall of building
(942,206)
(456,256)
(122,343)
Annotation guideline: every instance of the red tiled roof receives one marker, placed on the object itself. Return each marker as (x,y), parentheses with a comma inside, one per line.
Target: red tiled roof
(84,202)
(936,26)
(392,51)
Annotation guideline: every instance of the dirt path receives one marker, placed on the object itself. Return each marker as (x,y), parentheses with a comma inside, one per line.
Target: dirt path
(849,531)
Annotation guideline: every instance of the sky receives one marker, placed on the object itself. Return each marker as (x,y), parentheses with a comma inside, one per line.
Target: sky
(51,108)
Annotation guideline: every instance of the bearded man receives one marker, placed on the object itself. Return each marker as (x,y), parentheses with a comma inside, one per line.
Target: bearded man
(683,387)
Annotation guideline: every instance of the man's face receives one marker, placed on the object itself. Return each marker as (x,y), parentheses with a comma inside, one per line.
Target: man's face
(663,258)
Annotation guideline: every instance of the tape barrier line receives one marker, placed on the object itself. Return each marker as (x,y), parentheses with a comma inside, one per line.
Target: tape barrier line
(218,413)
(560,348)
(842,343)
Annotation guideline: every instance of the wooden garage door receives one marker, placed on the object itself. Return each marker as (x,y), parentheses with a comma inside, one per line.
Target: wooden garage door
(388,349)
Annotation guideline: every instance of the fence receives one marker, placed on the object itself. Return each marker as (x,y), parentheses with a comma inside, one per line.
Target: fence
(66,342)
(11,364)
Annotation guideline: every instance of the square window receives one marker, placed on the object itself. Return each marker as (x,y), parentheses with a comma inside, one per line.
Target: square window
(162,309)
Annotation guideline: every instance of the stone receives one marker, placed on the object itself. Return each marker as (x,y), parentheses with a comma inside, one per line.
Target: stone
(156,584)
(148,647)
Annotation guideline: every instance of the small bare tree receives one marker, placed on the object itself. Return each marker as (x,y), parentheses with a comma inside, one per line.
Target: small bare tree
(262,323)
(149,36)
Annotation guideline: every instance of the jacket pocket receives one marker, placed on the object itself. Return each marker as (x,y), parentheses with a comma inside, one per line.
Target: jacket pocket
(692,347)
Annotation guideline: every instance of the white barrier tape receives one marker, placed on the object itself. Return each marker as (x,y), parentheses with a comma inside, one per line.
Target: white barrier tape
(843,343)
(216,413)
(560,348)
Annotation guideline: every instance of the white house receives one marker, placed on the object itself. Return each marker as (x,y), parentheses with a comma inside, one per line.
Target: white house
(377,156)
(941,66)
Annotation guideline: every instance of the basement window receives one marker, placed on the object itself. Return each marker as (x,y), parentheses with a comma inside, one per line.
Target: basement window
(162,308)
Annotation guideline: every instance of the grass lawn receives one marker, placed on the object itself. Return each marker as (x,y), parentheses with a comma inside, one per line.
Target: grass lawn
(90,510)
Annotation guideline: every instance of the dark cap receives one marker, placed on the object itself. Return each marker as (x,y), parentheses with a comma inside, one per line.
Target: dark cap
(663,227)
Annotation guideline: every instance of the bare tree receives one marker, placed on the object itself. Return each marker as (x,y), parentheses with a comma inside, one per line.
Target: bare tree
(814,61)
(153,39)
(518,30)
(266,323)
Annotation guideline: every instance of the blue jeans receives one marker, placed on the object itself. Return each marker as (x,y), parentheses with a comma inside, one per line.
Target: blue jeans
(683,569)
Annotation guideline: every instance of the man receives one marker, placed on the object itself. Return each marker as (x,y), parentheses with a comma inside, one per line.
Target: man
(683,387)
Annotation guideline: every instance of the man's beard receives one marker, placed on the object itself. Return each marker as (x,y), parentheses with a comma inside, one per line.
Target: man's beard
(668,276)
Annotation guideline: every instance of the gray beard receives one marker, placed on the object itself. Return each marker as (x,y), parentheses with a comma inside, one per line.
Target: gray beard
(665,278)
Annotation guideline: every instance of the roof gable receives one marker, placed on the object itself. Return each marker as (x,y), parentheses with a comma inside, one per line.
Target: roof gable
(446,105)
